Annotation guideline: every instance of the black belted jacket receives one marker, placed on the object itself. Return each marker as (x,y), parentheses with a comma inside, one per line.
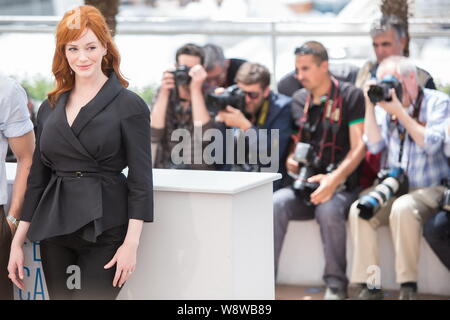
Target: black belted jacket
(75,181)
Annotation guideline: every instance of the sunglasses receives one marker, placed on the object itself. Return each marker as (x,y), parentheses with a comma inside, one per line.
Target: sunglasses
(251,94)
(305,49)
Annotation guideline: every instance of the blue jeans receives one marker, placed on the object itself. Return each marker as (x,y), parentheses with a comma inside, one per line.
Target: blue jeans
(331,216)
(437,232)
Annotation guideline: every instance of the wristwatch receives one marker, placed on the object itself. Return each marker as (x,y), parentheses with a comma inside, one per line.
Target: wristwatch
(13,220)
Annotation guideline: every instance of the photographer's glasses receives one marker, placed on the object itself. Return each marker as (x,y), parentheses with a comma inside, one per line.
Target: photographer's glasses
(251,94)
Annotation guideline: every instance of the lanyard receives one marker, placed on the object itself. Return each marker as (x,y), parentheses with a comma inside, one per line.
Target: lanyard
(402,133)
(263,114)
(331,118)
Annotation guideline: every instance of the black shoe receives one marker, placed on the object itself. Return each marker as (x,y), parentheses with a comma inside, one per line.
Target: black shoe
(363,293)
(407,293)
(335,294)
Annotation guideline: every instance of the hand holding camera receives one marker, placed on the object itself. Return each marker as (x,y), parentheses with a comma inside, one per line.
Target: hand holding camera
(386,93)
(394,106)
(197,75)
(167,81)
(233,117)
(292,166)
(232,96)
(328,184)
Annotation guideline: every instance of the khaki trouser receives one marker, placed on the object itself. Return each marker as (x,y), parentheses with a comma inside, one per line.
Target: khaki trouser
(405,215)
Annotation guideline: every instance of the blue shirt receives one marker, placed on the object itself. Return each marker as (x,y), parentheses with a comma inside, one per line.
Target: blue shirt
(447,138)
(425,166)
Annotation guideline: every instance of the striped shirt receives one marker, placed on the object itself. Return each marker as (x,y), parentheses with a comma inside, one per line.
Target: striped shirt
(425,166)
(447,138)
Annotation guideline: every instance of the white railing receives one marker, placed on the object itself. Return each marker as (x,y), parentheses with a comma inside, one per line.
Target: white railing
(274,29)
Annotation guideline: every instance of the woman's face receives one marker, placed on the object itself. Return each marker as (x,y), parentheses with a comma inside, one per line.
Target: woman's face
(85,55)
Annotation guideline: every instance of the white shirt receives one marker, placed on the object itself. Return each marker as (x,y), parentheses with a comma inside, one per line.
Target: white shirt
(14,122)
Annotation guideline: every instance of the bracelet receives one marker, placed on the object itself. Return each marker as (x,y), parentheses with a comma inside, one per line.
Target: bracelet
(13,220)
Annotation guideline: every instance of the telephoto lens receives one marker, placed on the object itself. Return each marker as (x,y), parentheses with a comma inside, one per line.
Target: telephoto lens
(392,184)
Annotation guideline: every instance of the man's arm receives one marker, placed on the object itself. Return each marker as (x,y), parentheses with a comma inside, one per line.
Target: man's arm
(414,129)
(447,139)
(371,129)
(354,156)
(23,148)
(428,137)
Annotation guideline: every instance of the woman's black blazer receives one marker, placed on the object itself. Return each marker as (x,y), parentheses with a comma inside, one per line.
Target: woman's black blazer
(75,180)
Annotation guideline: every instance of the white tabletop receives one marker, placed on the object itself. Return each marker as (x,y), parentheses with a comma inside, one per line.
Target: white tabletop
(210,181)
(197,180)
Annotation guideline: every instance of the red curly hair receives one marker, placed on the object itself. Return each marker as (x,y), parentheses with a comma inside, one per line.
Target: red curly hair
(72,27)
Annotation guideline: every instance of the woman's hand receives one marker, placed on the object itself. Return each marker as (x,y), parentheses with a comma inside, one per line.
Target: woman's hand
(15,266)
(125,258)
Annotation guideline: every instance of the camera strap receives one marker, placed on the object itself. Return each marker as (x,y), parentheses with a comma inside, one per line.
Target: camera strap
(331,119)
(402,133)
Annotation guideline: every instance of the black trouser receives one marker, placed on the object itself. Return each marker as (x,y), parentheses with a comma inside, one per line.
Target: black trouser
(6,286)
(437,232)
(61,252)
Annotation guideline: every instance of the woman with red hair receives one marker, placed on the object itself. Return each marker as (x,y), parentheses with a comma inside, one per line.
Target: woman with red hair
(84,211)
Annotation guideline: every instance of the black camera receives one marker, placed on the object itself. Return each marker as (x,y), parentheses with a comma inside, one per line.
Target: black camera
(380,91)
(393,183)
(305,156)
(233,96)
(181,75)
(445,202)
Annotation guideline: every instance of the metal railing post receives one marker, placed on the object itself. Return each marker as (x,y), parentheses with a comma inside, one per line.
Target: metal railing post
(273,43)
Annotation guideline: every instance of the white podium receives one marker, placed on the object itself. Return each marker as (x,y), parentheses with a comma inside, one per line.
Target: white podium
(212,238)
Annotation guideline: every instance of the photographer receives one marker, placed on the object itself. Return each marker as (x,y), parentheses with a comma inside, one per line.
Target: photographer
(221,71)
(410,132)
(329,114)
(262,109)
(389,38)
(437,229)
(289,83)
(180,104)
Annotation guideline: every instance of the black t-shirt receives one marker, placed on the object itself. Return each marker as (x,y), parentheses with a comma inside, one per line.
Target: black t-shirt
(232,70)
(352,113)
